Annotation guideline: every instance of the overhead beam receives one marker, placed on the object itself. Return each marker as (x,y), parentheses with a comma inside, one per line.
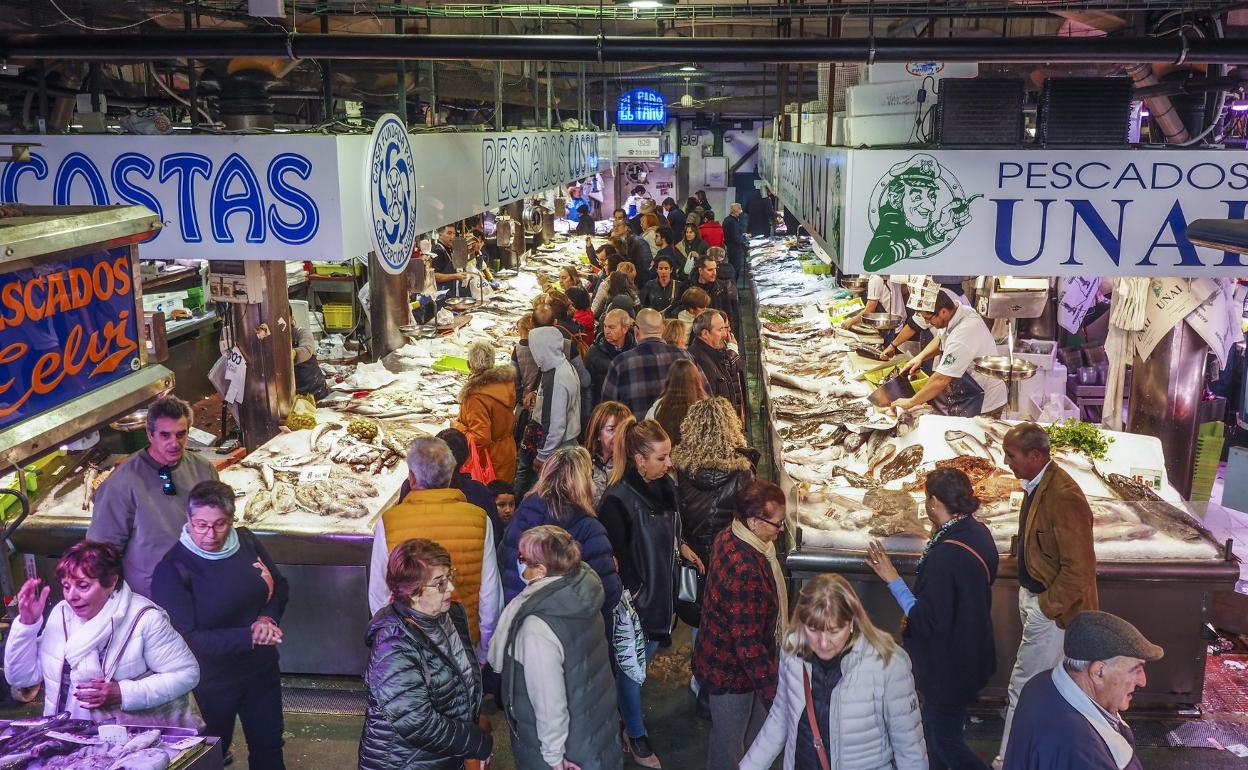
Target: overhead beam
(119,47)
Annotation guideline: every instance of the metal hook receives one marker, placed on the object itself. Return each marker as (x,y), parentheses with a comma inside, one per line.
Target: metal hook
(1183,52)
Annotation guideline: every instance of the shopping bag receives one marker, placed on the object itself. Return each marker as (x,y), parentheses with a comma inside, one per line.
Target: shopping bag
(478,465)
(628,640)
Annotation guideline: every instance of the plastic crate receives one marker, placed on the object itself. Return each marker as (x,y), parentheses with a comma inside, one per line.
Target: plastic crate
(451,364)
(329,268)
(1210,437)
(339,315)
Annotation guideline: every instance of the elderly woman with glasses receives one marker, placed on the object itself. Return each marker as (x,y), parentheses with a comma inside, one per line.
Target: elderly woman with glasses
(424,683)
(225,595)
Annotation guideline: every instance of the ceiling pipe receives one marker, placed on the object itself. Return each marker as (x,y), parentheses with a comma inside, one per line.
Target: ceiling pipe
(115,47)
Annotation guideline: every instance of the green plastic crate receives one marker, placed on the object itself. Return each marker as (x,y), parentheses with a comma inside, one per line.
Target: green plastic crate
(1210,438)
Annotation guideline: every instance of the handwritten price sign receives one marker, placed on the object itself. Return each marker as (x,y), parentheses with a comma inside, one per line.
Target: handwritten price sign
(66,328)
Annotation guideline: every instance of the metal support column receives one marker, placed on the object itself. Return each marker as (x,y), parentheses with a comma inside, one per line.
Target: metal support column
(549,96)
(193,77)
(401,72)
(327,78)
(262,331)
(1165,400)
(388,309)
(498,88)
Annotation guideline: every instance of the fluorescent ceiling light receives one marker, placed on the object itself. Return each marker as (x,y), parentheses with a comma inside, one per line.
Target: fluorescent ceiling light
(689,68)
(645,4)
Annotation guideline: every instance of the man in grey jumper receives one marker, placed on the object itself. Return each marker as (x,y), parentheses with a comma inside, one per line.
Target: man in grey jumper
(141,506)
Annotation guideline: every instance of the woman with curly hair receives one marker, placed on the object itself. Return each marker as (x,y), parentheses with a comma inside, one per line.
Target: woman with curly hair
(682,390)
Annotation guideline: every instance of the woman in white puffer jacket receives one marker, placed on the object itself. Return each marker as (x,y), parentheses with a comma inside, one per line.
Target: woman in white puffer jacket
(860,686)
(123,654)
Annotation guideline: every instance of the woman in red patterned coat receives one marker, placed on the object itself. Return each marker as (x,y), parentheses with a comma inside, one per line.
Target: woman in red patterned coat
(745,608)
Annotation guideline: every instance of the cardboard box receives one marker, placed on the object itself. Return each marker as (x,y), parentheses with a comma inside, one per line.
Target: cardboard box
(888,99)
(880,131)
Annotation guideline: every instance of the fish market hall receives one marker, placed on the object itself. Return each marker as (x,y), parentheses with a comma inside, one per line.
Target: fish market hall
(643,384)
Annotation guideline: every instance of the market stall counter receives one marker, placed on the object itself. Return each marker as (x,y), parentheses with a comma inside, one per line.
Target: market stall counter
(855,472)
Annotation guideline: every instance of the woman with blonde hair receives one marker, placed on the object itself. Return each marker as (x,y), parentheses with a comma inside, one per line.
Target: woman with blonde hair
(682,389)
(639,511)
(600,443)
(487,405)
(676,334)
(561,497)
(843,676)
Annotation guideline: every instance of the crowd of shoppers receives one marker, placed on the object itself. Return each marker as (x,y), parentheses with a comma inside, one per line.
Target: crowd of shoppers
(619,466)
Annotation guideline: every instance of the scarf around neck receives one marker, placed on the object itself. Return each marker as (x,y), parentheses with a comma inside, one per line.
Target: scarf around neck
(937,536)
(85,645)
(1119,747)
(227,550)
(768,550)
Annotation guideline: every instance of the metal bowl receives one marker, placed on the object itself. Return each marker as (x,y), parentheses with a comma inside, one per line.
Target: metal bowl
(419,331)
(506,272)
(856,285)
(880,320)
(1000,367)
(133,421)
(459,303)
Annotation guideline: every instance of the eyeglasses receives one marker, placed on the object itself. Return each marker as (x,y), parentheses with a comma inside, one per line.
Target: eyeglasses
(165,474)
(776,524)
(445,583)
(202,527)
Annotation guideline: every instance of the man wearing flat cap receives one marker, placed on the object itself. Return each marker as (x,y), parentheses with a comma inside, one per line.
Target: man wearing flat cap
(1068,718)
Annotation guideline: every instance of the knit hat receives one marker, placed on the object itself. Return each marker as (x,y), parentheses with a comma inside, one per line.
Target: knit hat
(1094,635)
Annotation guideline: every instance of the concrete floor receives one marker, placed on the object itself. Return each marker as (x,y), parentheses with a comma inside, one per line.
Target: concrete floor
(317,742)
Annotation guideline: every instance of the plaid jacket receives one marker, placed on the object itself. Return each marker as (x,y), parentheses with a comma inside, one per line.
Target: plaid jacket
(636,376)
(736,646)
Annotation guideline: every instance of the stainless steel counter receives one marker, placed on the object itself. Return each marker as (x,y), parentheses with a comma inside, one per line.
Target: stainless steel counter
(1169,601)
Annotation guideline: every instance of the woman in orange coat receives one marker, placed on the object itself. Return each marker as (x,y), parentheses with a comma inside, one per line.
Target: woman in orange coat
(487,406)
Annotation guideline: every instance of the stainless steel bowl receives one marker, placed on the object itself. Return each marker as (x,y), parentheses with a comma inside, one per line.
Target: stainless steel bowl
(506,272)
(133,421)
(856,285)
(459,303)
(1000,367)
(880,320)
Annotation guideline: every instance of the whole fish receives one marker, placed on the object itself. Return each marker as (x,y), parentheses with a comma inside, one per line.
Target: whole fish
(854,441)
(881,455)
(854,479)
(960,439)
(903,464)
(258,506)
(1122,530)
(1155,511)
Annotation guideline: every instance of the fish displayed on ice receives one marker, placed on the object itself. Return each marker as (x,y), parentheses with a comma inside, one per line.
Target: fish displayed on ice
(905,463)
(1155,511)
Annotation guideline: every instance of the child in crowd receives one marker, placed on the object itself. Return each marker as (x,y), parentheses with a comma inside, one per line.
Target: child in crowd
(505,500)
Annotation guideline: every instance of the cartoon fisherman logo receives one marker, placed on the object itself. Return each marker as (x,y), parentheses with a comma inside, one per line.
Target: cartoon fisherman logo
(917,209)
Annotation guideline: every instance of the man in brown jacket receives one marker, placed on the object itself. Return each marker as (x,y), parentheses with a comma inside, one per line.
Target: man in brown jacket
(1056,563)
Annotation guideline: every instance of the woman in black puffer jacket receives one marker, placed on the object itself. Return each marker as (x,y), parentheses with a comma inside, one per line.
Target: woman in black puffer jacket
(712,465)
(423,679)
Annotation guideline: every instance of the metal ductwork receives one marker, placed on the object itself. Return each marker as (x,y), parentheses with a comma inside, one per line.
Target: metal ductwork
(117,47)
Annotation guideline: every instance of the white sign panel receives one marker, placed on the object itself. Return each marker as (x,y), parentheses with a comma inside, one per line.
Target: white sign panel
(290,197)
(220,197)
(647,146)
(1043,212)
(809,181)
(390,190)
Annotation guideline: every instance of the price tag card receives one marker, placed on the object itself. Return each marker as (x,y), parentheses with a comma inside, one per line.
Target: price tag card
(1150,477)
(311,473)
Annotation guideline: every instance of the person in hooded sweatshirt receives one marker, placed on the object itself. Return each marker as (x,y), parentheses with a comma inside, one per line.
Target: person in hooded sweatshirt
(558,404)
(551,650)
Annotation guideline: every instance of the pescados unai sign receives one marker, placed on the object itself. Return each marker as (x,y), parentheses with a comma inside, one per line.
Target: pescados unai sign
(1042,212)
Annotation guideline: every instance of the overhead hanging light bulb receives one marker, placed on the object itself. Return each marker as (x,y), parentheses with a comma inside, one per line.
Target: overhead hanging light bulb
(689,68)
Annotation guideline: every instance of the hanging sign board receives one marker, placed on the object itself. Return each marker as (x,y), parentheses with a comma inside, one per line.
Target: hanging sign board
(1042,212)
(66,328)
(640,107)
(293,196)
(809,181)
(390,191)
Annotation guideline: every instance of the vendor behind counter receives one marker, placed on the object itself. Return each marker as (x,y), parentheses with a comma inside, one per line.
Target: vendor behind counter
(955,389)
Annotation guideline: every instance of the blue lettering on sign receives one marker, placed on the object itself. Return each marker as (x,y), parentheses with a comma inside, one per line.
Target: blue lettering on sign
(130,193)
(13,173)
(640,107)
(135,178)
(186,166)
(78,165)
(224,202)
(305,228)
(516,166)
(1111,242)
(1176,223)
(1005,229)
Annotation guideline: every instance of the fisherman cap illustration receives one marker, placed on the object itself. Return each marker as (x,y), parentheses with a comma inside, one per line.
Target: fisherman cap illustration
(916,210)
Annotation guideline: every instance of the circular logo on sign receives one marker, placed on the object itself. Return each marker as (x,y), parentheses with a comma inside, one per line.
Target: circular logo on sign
(916,211)
(390,188)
